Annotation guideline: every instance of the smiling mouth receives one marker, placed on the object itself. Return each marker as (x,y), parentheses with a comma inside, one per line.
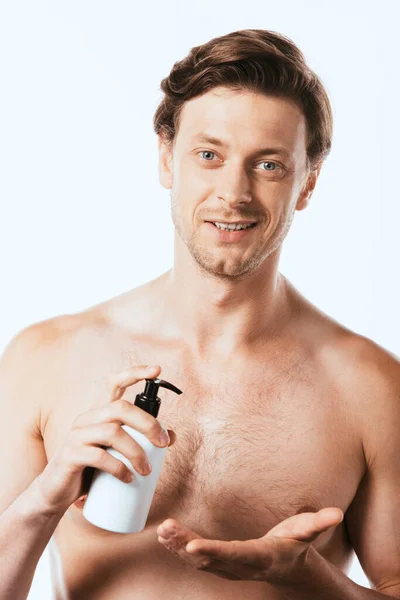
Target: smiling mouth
(232,226)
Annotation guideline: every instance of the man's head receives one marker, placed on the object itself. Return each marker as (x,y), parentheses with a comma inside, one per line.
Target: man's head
(272,123)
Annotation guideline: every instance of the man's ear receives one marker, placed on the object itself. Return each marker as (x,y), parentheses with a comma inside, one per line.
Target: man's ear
(308,189)
(165,173)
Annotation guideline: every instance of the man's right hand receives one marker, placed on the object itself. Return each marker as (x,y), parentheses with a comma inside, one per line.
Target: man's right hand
(62,481)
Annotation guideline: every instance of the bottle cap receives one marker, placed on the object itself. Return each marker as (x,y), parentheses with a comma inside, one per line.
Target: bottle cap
(148,399)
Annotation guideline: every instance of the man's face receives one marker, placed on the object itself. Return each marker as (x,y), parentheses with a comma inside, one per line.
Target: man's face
(238,179)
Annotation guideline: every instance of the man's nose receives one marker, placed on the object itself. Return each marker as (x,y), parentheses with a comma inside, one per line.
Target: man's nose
(234,187)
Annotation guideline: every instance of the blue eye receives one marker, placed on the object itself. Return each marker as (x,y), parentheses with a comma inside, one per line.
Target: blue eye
(206,152)
(267,162)
(212,155)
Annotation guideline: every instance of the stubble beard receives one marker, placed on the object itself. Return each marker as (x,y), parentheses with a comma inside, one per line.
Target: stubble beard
(212,265)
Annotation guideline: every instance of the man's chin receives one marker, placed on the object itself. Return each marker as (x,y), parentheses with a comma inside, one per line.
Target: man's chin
(224,265)
(225,271)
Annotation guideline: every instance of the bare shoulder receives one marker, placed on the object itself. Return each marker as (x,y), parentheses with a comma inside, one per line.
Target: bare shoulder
(362,361)
(27,349)
(357,359)
(364,374)
(367,377)
(377,384)
(35,344)
(66,344)
(24,366)
(42,359)
(44,337)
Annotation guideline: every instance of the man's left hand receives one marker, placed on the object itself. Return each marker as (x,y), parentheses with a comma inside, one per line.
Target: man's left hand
(277,557)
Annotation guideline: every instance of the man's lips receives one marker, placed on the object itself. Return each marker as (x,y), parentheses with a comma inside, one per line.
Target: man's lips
(242,222)
(226,235)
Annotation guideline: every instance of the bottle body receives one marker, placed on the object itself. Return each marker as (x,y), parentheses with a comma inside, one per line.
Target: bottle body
(124,507)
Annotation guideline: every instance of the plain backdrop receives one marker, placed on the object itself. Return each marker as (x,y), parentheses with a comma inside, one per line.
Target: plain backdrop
(79,189)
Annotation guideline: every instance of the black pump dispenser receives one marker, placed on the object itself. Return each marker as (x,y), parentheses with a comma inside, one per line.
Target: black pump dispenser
(148,400)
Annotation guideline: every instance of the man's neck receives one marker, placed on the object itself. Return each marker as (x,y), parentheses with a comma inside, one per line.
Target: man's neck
(221,316)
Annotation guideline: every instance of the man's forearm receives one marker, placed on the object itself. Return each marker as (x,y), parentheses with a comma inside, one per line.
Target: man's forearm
(321,580)
(25,530)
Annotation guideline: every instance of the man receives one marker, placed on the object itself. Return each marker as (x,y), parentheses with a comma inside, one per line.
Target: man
(284,446)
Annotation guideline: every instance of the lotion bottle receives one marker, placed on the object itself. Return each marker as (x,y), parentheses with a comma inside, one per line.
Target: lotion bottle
(122,507)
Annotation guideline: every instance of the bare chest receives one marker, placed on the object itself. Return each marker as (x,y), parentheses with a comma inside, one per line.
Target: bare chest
(250,450)
(255,457)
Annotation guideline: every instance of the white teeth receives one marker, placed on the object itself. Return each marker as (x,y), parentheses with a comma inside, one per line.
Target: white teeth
(232,226)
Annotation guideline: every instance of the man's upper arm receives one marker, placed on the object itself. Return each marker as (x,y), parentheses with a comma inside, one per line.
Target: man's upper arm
(22,455)
(373,518)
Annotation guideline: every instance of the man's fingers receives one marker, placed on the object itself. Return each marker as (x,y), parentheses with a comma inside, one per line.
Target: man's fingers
(316,523)
(307,526)
(243,552)
(120,381)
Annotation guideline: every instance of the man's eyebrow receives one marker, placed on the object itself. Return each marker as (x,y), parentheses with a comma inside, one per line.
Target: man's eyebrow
(209,139)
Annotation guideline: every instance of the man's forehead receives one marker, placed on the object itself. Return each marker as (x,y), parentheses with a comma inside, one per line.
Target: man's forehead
(258,117)
(259,108)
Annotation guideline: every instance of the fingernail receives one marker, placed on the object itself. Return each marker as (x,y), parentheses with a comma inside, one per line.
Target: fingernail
(164,438)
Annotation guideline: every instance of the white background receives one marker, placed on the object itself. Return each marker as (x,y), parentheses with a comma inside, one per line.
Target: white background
(79,188)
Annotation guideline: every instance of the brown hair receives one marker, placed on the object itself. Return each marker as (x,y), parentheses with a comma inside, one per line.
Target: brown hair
(257,60)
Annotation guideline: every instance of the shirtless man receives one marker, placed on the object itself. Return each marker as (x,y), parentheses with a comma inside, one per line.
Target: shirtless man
(288,421)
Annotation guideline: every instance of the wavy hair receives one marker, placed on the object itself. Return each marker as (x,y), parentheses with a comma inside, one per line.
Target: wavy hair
(256,60)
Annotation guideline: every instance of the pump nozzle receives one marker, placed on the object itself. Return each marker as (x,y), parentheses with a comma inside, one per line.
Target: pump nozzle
(148,400)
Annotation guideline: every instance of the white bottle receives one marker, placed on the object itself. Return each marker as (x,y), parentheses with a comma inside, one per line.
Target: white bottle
(124,507)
